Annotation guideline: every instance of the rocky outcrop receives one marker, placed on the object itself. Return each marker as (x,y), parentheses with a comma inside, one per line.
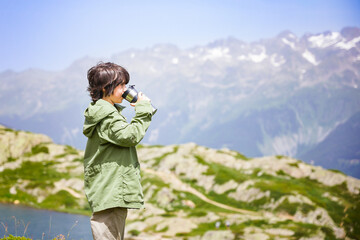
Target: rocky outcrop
(32,164)
(14,144)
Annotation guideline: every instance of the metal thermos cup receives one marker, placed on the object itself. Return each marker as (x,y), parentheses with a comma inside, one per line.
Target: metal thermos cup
(131,95)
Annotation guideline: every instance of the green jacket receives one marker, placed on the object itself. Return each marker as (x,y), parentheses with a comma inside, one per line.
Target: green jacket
(111,166)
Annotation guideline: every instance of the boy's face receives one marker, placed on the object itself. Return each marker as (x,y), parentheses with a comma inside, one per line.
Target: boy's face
(116,97)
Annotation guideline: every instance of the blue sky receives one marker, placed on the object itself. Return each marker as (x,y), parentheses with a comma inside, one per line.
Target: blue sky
(50,35)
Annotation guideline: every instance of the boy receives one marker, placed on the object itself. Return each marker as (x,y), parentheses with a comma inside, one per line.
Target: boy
(111,166)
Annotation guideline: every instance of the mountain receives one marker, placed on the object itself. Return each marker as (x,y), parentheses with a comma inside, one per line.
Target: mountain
(277,96)
(333,154)
(189,188)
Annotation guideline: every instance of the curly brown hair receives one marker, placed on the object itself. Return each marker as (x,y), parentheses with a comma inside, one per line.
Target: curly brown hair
(104,78)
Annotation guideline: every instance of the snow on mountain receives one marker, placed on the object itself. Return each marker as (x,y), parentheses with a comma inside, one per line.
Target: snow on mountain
(310,57)
(289,43)
(325,40)
(175,60)
(277,60)
(258,57)
(333,39)
(217,53)
(349,44)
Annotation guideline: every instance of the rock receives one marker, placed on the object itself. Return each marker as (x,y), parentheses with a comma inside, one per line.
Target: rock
(255,236)
(246,194)
(176,225)
(320,217)
(318,236)
(72,186)
(148,191)
(291,199)
(138,226)
(15,143)
(194,238)
(353,185)
(153,221)
(326,177)
(149,153)
(217,235)
(13,190)
(254,233)
(220,189)
(332,198)
(279,231)
(188,203)
(164,197)
(210,217)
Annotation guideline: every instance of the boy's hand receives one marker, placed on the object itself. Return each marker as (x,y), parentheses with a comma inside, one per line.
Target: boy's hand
(141,96)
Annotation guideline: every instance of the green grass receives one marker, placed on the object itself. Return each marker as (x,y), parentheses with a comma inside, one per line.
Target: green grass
(80,160)
(198,213)
(306,208)
(299,229)
(329,233)
(306,187)
(222,173)
(140,146)
(8,130)
(11,159)
(295,164)
(40,148)
(279,187)
(201,206)
(21,196)
(159,159)
(134,232)
(70,150)
(351,222)
(60,200)
(62,155)
(41,174)
(281,173)
(241,156)
(237,155)
(337,171)
(11,237)
(288,207)
(153,180)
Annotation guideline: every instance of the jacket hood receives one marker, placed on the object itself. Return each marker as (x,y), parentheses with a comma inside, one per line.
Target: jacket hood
(96,112)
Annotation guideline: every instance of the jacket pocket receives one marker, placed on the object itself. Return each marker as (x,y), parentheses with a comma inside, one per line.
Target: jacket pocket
(90,173)
(132,186)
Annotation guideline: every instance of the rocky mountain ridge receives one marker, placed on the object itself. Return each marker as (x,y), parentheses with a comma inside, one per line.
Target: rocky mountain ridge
(189,188)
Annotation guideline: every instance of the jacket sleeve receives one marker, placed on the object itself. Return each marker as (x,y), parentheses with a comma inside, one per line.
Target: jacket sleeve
(125,134)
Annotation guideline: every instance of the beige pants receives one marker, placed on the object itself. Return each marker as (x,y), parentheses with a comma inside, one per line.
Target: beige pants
(109,224)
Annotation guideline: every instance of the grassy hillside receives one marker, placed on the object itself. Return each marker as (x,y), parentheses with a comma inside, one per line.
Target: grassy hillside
(189,188)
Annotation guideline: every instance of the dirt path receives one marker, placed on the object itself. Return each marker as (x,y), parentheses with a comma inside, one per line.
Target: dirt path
(177,184)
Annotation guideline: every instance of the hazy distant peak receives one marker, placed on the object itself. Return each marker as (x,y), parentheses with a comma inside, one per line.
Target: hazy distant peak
(287,34)
(350,33)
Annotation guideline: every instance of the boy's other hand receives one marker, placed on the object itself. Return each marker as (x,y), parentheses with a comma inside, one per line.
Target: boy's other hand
(141,96)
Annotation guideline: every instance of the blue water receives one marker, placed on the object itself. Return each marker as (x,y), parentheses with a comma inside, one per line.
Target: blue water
(42,224)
